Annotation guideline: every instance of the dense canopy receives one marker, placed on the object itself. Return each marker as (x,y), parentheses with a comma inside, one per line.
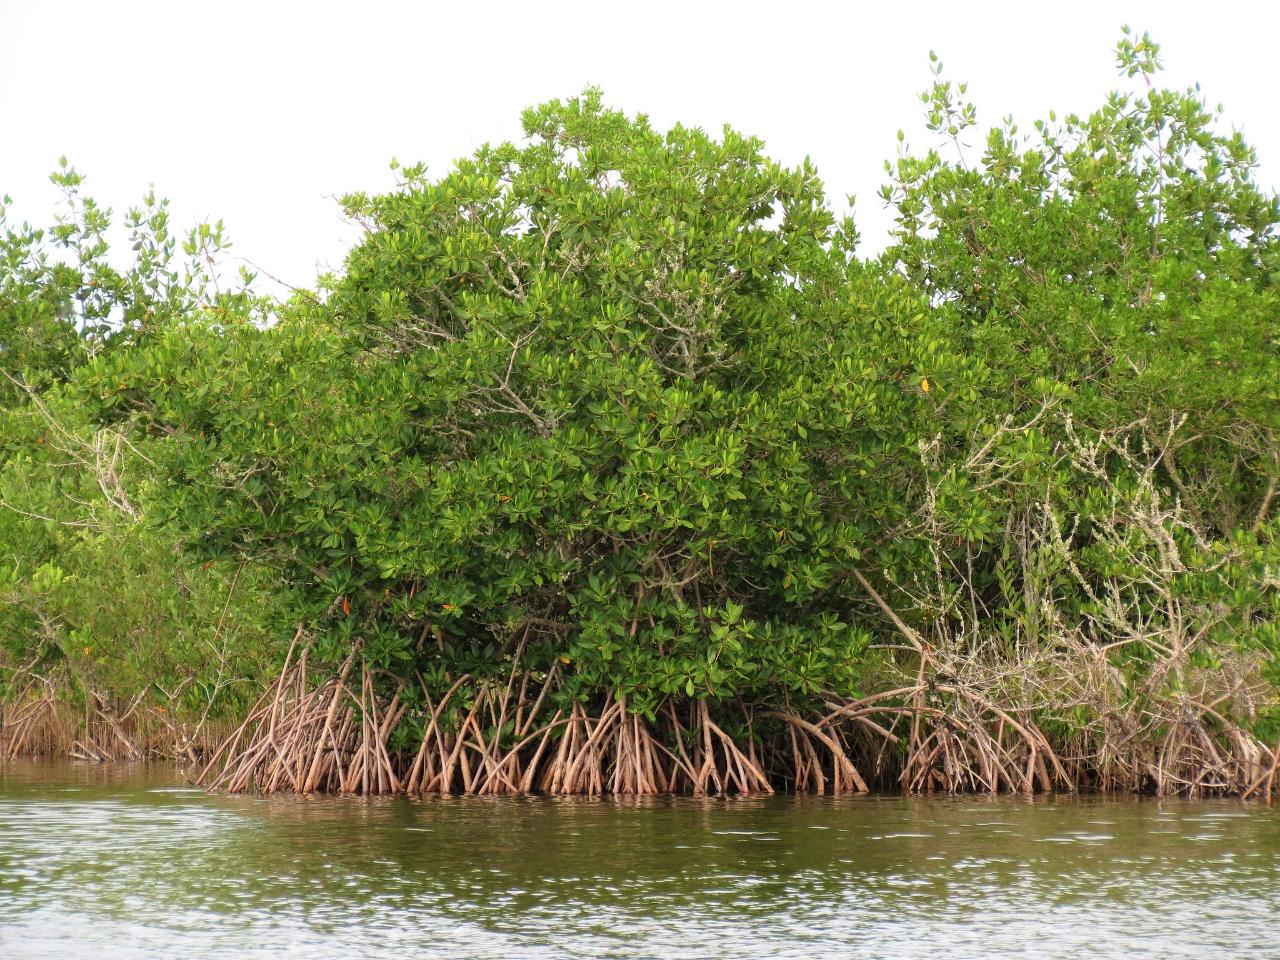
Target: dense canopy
(607,464)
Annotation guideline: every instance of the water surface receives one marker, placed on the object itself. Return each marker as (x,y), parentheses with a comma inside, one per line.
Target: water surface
(107,863)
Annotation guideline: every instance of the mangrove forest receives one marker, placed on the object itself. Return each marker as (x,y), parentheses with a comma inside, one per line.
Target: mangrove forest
(609,464)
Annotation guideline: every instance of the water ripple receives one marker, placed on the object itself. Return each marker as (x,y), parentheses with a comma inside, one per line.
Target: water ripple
(111,866)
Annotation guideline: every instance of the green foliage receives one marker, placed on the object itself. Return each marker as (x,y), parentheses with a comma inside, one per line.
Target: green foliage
(1123,262)
(601,396)
(90,586)
(625,405)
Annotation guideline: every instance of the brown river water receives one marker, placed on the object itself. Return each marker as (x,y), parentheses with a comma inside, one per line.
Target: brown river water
(103,863)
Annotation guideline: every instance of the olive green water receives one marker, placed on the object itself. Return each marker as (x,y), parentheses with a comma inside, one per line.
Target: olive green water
(108,863)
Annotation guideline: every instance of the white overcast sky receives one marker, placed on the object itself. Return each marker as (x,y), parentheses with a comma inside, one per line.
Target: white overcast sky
(260,113)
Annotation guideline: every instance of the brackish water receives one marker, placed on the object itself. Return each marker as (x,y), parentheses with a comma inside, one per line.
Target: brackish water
(111,862)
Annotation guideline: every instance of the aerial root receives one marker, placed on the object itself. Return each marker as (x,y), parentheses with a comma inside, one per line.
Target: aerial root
(481,737)
(337,733)
(819,754)
(301,738)
(1186,750)
(952,738)
(58,717)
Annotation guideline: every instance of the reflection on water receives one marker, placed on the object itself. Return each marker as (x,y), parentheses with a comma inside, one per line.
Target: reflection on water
(109,863)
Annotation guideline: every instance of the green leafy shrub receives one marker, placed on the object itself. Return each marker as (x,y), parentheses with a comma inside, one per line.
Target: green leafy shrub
(606,464)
